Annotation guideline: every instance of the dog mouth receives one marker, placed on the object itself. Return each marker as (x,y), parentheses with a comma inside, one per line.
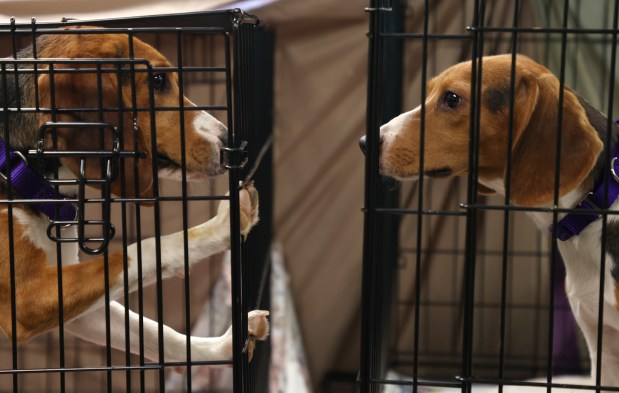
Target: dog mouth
(165,162)
(168,168)
(439,172)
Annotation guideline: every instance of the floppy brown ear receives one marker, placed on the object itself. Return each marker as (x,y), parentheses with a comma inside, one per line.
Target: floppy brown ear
(77,94)
(534,150)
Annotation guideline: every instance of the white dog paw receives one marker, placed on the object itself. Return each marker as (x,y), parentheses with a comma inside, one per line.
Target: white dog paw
(258,328)
(249,202)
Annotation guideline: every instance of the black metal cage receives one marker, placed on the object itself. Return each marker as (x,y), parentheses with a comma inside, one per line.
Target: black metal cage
(224,61)
(460,290)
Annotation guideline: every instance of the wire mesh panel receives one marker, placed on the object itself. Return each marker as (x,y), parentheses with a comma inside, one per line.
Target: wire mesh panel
(127,125)
(464,290)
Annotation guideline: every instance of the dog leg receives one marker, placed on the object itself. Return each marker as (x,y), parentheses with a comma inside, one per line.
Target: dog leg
(36,283)
(610,360)
(586,314)
(91,327)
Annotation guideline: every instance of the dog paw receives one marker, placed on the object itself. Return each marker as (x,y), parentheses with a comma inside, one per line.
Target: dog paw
(258,324)
(249,202)
(257,329)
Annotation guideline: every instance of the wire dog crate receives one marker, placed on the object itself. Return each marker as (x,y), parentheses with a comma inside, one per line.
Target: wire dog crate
(461,291)
(224,62)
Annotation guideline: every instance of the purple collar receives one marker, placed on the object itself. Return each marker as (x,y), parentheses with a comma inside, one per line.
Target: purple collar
(574,223)
(32,186)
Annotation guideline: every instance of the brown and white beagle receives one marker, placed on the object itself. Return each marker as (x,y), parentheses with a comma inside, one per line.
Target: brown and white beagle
(70,97)
(533,150)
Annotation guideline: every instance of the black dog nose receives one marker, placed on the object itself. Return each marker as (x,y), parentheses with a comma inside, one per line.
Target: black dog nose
(363,143)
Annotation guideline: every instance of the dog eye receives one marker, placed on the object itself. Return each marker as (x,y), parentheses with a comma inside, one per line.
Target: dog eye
(159,81)
(451,99)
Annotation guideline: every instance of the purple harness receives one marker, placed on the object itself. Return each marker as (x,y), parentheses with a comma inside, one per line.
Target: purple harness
(574,223)
(32,186)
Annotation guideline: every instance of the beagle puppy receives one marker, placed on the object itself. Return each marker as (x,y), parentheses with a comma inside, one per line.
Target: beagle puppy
(29,276)
(532,152)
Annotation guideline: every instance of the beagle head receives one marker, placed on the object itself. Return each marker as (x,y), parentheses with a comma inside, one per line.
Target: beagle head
(109,93)
(534,133)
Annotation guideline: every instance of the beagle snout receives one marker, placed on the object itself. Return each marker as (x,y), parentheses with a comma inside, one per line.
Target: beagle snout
(400,144)
(204,136)
(389,130)
(205,139)
(208,126)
